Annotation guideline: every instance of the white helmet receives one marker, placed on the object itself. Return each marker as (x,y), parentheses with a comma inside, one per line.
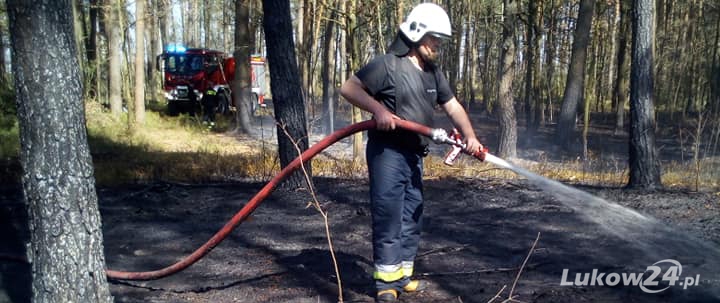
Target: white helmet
(426,18)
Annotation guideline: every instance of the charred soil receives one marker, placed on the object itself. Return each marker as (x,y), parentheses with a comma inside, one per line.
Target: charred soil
(476,235)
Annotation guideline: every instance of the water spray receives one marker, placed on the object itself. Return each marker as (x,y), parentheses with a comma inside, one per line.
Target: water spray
(654,238)
(625,222)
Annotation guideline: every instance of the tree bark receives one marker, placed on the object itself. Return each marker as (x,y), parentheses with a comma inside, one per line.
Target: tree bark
(328,85)
(486,76)
(3,71)
(155,48)
(194,24)
(353,64)
(575,84)
(165,20)
(615,28)
(113,28)
(644,158)
(91,47)
(620,94)
(241,87)
(140,62)
(286,92)
(79,29)
(207,12)
(550,58)
(530,53)
(66,248)
(537,24)
(506,111)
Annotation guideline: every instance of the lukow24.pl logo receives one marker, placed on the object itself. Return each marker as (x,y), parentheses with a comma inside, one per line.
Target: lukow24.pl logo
(653,280)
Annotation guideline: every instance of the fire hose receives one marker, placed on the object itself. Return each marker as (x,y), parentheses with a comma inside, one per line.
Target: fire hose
(438,135)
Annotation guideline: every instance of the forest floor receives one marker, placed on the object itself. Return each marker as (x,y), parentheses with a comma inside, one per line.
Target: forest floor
(477,234)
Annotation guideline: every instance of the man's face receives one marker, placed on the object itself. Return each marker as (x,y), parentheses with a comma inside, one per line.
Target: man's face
(429,49)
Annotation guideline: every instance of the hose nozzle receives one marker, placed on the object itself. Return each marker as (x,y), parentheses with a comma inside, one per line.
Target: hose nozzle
(455,139)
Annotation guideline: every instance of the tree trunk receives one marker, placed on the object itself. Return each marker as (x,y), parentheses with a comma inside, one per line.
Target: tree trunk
(207,12)
(644,158)
(140,62)
(113,32)
(155,48)
(91,47)
(318,15)
(621,83)
(353,64)
(537,120)
(550,58)
(196,24)
(66,248)
(3,71)
(300,36)
(164,21)
(328,85)
(615,28)
(486,78)
(575,84)
(79,29)
(241,87)
(287,96)
(468,74)
(452,50)
(714,103)
(530,66)
(506,111)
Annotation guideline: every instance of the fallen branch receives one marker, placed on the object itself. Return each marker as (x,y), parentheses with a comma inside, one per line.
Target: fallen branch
(497,295)
(469,272)
(319,208)
(523,266)
(442,249)
(510,297)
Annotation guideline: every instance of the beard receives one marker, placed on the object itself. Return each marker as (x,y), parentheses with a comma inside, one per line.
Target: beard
(430,58)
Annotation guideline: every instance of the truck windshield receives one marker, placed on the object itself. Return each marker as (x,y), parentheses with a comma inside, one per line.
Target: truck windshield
(183,64)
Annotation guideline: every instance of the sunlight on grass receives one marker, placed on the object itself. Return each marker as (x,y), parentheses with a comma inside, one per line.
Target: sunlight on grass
(181,149)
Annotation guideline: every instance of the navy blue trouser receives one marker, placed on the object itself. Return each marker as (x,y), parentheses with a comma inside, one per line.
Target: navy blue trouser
(397,206)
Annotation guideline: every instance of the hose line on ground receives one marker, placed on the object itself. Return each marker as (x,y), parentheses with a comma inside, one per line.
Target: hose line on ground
(242,214)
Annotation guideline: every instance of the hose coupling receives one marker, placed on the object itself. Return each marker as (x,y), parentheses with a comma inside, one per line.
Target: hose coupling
(440,136)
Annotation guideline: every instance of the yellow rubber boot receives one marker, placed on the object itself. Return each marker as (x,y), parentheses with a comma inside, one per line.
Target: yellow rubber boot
(415,286)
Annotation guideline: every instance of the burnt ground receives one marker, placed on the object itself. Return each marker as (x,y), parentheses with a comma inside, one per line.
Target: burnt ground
(477,234)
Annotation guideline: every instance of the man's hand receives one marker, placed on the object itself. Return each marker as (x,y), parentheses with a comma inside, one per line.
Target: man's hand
(354,92)
(385,119)
(472,145)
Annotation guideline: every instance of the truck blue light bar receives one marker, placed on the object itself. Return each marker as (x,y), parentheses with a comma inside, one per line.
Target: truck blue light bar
(175,48)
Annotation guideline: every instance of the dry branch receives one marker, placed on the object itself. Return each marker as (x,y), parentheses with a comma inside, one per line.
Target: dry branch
(318,207)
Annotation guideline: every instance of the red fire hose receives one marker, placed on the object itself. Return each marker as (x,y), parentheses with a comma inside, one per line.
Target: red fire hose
(241,215)
(438,135)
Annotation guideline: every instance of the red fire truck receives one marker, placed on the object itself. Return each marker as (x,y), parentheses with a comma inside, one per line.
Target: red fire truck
(189,72)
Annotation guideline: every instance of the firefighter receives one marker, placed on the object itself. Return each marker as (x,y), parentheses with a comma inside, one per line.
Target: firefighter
(209,103)
(406,83)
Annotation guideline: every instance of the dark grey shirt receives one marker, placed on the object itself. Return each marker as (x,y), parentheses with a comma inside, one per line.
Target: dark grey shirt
(407,92)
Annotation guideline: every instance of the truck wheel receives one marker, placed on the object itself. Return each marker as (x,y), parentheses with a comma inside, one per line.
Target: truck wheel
(172,109)
(223,107)
(253,104)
